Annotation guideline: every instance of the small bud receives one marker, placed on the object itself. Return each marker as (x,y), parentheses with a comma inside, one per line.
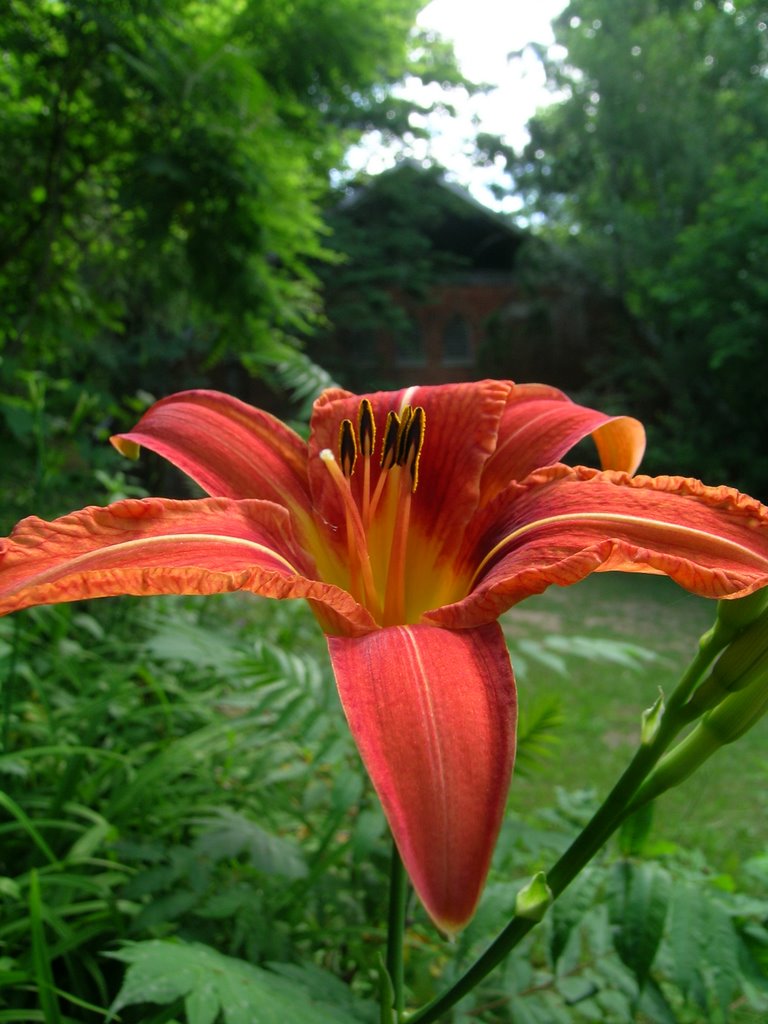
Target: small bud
(677,765)
(533,900)
(651,720)
(732,717)
(742,654)
(740,611)
(723,724)
(744,660)
(733,617)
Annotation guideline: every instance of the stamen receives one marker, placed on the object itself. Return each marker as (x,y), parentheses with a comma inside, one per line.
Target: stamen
(347,448)
(390,447)
(412,443)
(405,421)
(366,428)
(361,574)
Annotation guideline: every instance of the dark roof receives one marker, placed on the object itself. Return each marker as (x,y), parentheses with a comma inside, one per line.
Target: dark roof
(453,220)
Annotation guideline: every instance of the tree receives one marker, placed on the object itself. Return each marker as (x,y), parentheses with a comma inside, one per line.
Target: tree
(664,102)
(162,163)
(163,166)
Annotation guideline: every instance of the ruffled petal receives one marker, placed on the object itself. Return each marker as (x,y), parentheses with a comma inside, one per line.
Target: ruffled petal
(157,546)
(562,524)
(229,448)
(433,713)
(540,425)
(462,422)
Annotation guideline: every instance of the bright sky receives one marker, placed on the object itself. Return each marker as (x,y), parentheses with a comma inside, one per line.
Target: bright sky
(484,33)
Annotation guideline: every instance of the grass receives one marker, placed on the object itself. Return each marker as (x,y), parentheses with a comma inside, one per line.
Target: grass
(722,808)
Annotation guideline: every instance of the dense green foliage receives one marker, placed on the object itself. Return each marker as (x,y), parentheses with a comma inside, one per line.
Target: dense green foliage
(187,834)
(163,170)
(162,163)
(651,171)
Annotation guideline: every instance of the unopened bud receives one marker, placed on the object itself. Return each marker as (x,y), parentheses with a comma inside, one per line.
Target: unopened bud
(738,612)
(732,717)
(744,660)
(651,720)
(533,900)
(723,724)
(678,764)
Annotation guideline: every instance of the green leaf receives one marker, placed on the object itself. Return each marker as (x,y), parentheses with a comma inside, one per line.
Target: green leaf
(569,910)
(202,1006)
(724,948)
(654,1005)
(41,957)
(638,907)
(634,832)
(227,834)
(212,984)
(703,946)
(686,936)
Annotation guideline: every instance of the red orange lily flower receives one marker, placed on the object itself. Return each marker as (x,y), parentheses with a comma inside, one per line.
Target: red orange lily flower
(410,521)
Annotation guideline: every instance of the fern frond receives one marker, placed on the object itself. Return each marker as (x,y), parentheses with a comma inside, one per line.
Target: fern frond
(536,732)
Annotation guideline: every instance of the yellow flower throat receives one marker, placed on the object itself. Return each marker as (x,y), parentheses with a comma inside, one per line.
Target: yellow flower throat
(377,522)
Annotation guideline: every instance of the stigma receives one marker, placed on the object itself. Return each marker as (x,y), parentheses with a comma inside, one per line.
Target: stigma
(376,484)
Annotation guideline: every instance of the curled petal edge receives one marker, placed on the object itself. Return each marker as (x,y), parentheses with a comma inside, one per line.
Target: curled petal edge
(540,426)
(160,546)
(228,447)
(564,523)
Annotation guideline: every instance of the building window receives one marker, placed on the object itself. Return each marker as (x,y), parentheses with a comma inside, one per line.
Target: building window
(457,342)
(410,346)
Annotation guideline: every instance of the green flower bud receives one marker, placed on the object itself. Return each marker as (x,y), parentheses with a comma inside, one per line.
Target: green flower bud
(651,720)
(533,900)
(723,724)
(744,660)
(740,611)
(732,717)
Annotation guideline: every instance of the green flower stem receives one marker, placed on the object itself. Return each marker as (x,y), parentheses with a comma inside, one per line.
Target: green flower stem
(576,857)
(398,893)
(614,809)
(710,645)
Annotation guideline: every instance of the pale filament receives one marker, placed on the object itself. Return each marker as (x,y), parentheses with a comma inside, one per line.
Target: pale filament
(401,450)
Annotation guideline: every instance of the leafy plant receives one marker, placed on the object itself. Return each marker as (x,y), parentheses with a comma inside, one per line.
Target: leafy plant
(215,987)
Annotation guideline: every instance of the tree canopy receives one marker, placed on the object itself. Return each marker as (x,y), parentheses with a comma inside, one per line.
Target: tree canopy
(651,171)
(162,163)
(163,170)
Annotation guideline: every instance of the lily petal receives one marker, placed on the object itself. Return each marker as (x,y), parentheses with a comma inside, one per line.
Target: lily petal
(563,523)
(158,546)
(229,448)
(433,713)
(462,422)
(540,425)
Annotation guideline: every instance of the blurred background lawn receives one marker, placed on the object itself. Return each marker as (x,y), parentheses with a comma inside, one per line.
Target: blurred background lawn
(722,809)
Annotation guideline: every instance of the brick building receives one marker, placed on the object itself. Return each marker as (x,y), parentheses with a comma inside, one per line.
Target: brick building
(439,288)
